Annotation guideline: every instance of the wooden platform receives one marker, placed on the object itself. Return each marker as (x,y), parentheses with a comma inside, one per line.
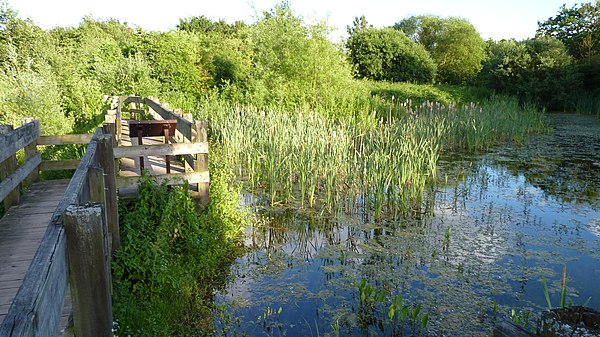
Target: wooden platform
(155,165)
(21,230)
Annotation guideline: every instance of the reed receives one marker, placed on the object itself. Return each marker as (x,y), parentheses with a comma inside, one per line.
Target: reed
(367,161)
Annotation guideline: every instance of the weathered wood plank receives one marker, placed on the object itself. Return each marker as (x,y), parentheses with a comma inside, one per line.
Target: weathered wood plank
(18,139)
(160,150)
(11,182)
(132,99)
(7,167)
(19,259)
(90,288)
(55,165)
(107,161)
(200,129)
(183,125)
(37,306)
(172,179)
(65,139)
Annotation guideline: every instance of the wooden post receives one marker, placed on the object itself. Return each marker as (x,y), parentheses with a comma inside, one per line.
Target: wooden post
(88,271)
(200,134)
(30,151)
(7,168)
(106,160)
(118,121)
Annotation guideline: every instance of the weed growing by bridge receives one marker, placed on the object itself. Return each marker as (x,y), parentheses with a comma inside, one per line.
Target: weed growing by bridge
(173,258)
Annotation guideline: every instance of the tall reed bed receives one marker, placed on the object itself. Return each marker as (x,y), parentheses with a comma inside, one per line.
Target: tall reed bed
(362,162)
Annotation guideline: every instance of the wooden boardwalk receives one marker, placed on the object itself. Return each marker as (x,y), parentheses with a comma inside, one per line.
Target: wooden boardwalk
(21,230)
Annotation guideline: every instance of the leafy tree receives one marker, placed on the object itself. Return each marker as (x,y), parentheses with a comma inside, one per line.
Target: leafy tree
(203,25)
(387,54)
(577,27)
(454,44)
(538,70)
(294,64)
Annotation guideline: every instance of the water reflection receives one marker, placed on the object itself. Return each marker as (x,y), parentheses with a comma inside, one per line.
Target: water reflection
(500,221)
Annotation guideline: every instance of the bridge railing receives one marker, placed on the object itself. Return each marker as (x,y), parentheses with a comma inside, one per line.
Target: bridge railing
(76,250)
(189,141)
(11,174)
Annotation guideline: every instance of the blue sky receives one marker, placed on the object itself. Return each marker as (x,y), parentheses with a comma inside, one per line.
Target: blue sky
(493,19)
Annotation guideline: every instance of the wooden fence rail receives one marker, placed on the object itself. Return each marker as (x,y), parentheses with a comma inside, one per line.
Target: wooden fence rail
(37,306)
(83,232)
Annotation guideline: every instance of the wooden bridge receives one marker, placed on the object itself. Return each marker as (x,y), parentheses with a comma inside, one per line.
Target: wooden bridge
(58,236)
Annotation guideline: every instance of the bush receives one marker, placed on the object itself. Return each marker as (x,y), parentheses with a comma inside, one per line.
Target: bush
(387,54)
(454,44)
(538,70)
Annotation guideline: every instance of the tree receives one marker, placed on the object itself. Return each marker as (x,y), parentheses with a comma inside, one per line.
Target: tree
(387,54)
(538,70)
(203,25)
(294,63)
(577,27)
(454,44)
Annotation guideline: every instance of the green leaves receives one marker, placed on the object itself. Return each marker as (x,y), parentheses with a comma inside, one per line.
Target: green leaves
(387,54)
(454,44)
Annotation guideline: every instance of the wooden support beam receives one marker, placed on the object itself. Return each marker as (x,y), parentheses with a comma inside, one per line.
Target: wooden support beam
(65,139)
(30,151)
(160,150)
(56,165)
(183,125)
(106,160)
(8,167)
(18,139)
(88,271)
(12,181)
(171,179)
(201,163)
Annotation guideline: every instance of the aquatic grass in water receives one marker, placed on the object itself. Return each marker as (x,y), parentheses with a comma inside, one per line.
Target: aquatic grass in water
(364,162)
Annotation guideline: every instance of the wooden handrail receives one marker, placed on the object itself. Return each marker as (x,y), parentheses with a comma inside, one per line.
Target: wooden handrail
(37,306)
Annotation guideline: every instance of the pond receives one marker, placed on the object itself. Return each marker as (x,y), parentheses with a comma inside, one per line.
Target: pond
(494,226)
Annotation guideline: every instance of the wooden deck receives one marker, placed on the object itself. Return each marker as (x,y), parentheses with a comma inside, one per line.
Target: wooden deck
(21,230)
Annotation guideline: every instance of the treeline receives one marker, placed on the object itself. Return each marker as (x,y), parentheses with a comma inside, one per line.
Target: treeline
(60,75)
(558,69)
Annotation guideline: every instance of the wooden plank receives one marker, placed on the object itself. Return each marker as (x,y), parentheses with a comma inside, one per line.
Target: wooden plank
(12,181)
(88,271)
(18,139)
(201,163)
(7,168)
(183,125)
(65,139)
(55,165)
(37,305)
(106,160)
(171,179)
(132,99)
(30,151)
(160,150)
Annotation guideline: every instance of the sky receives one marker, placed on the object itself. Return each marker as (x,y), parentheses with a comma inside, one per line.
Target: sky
(493,19)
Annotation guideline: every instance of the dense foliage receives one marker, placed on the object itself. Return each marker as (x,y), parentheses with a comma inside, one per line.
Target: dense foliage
(537,70)
(454,44)
(172,258)
(387,54)
(577,27)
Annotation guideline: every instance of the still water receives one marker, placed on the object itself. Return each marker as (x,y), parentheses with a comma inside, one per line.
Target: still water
(494,226)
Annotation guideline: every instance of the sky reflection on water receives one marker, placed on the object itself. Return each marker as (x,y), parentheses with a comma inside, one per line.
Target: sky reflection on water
(500,222)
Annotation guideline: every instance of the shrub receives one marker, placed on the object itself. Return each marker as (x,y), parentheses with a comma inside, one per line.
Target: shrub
(387,54)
